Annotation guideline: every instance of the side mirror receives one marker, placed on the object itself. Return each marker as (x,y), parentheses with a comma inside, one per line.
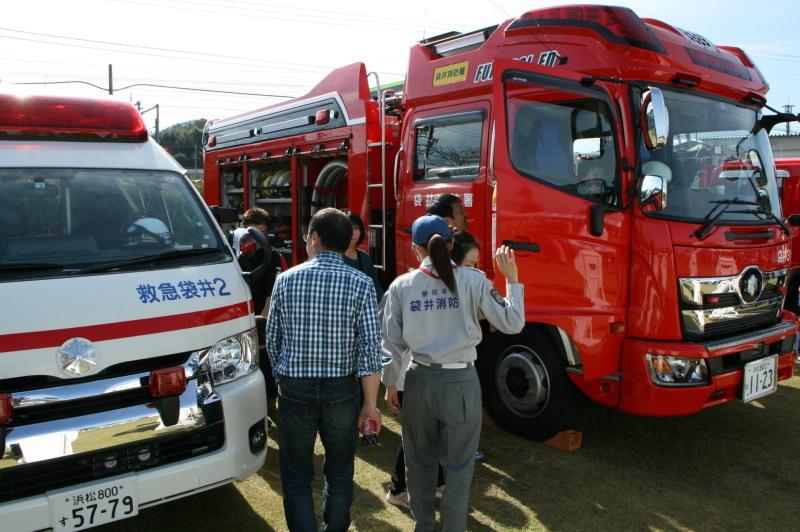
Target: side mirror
(655,119)
(794,220)
(653,193)
(225,215)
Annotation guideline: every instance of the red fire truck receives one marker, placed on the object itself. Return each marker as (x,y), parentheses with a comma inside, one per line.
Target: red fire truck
(788,177)
(625,161)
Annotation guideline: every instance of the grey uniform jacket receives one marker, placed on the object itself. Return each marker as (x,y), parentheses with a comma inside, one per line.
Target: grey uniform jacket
(422,319)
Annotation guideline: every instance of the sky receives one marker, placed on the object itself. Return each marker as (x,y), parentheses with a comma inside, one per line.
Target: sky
(274,49)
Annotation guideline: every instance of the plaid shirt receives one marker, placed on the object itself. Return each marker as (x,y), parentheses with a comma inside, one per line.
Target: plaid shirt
(323,321)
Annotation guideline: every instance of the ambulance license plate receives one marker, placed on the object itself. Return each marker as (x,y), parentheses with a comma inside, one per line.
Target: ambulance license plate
(760,378)
(96,505)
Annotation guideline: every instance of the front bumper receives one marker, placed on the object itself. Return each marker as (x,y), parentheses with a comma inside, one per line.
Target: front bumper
(244,405)
(725,359)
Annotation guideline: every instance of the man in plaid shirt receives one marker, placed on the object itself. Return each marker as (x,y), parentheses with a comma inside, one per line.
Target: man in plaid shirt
(323,336)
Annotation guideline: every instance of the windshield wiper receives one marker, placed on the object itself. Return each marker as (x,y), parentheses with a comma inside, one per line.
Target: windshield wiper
(151,259)
(766,208)
(768,214)
(32,266)
(713,219)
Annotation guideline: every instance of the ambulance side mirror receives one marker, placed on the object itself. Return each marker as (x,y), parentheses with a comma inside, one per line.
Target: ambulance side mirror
(225,215)
(655,119)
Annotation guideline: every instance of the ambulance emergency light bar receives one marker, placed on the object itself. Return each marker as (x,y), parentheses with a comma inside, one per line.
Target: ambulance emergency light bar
(69,118)
(615,24)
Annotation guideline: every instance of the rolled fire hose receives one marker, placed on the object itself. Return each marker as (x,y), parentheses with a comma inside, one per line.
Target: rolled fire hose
(328,182)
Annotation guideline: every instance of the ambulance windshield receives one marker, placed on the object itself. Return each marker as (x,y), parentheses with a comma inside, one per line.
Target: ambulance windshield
(57,221)
(716,163)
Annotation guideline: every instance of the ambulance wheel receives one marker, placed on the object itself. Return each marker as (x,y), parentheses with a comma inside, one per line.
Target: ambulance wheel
(526,388)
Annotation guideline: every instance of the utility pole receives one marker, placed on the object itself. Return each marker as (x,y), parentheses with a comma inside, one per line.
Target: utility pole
(788,109)
(110,80)
(157,118)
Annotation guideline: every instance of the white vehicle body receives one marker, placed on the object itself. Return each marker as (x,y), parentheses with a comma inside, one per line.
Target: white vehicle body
(79,343)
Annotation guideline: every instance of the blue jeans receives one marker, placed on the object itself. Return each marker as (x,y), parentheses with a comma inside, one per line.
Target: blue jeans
(329,407)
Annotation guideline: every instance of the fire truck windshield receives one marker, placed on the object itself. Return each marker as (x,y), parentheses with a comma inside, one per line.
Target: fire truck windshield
(715,157)
(66,221)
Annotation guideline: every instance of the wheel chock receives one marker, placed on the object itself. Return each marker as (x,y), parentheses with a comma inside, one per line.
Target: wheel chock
(566,440)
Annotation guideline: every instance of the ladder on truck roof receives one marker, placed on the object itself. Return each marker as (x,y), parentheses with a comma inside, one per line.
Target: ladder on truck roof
(380,227)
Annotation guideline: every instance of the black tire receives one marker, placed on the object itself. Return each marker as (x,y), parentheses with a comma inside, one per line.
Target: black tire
(526,388)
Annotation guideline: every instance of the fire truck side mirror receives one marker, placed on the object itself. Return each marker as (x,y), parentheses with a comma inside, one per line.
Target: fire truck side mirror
(653,193)
(794,220)
(655,119)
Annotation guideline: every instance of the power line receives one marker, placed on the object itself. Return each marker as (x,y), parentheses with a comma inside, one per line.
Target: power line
(305,11)
(307,18)
(174,87)
(259,64)
(155,48)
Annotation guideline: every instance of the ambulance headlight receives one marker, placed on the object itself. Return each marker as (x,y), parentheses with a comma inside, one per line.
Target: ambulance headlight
(233,357)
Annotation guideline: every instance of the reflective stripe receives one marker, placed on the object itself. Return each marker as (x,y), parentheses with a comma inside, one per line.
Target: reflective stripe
(123,329)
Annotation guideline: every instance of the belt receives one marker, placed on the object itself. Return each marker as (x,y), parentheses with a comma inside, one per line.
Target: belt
(451,365)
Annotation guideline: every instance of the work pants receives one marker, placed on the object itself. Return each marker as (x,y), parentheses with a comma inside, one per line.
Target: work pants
(441,424)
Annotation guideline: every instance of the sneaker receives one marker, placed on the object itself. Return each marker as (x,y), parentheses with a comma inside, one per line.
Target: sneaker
(398,499)
(440,491)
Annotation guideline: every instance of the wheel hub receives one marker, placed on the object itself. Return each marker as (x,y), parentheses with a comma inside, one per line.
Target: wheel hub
(522,381)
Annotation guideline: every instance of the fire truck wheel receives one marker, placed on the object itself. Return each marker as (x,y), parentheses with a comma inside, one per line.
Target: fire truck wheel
(526,388)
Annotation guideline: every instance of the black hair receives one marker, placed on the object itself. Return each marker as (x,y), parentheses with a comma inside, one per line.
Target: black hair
(443,205)
(255,216)
(334,229)
(463,242)
(440,257)
(358,222)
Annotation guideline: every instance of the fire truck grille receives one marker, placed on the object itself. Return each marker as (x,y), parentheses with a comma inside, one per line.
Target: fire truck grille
(734,326)
(37,478)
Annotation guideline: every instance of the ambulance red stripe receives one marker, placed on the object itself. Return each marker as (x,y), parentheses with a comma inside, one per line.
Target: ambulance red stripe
(122,329)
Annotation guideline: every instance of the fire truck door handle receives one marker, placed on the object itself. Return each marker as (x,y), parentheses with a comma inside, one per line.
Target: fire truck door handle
(522,246)
(407,230)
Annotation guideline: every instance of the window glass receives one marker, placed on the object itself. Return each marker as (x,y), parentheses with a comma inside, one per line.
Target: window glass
(563,139)
(448,149)
(80,219)
(717,162)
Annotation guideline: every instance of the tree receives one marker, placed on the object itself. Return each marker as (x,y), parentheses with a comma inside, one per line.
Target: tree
(184,142)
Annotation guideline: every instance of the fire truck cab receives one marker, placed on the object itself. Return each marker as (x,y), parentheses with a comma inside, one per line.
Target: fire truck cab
(622,159)
(128,354)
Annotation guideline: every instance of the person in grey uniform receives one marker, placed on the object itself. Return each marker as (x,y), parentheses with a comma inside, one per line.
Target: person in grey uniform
(431,314)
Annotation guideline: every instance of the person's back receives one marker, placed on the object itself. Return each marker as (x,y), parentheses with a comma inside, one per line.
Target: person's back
(431,309)
(324,295)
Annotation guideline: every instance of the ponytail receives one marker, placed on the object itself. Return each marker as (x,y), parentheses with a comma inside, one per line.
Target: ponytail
(440,257)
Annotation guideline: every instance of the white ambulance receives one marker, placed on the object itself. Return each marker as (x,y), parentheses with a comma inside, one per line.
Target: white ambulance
(129,370)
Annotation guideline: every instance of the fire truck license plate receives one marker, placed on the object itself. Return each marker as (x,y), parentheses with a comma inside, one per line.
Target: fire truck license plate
(760,378)
(87,507)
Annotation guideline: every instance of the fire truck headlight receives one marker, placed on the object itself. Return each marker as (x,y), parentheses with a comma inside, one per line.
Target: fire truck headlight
(233,357)
(677,371)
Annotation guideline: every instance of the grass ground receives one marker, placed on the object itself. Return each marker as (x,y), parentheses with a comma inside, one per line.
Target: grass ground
(733,467)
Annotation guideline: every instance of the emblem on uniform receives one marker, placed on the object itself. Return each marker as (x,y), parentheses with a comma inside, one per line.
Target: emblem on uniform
(497,297)
(751,283)
(77,357)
